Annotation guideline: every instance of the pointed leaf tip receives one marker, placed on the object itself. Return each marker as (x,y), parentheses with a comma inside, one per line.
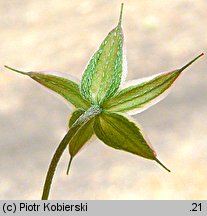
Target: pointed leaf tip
(188,64)
(162,165)
(121,12)
(69,164)
(18,71)
(143,93)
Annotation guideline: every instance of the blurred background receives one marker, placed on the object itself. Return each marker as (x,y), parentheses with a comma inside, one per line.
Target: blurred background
(161,35)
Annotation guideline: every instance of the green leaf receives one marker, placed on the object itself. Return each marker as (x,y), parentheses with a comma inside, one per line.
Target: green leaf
(81,137)
(103,74)
(118,132)
(83,131)
(63,86)
(83,134)
(145,93)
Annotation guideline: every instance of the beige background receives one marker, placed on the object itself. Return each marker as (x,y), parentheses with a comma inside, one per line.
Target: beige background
(161,35)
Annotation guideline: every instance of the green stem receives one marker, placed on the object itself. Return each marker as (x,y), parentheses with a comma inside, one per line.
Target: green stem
(56,157)
(81,121)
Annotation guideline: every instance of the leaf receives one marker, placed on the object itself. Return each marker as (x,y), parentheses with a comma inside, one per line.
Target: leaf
(82,135)
(63,86)
(83,131)
(103,74)
(140,96)
(118,132)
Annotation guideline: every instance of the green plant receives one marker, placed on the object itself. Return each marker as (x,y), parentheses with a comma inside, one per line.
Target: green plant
(102,99)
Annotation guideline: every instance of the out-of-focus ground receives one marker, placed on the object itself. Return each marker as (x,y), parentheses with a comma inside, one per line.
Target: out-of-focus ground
(61,36)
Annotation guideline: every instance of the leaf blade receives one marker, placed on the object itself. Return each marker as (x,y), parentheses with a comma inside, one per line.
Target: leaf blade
(103,74)
(118,132)
(68,89)
(140,96)
(83,131)
(82,135)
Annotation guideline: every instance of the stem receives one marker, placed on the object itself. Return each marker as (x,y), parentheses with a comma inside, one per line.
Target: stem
(53,164)
(81,121)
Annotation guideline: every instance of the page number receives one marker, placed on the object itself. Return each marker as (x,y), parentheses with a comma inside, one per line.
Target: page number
(196,207)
